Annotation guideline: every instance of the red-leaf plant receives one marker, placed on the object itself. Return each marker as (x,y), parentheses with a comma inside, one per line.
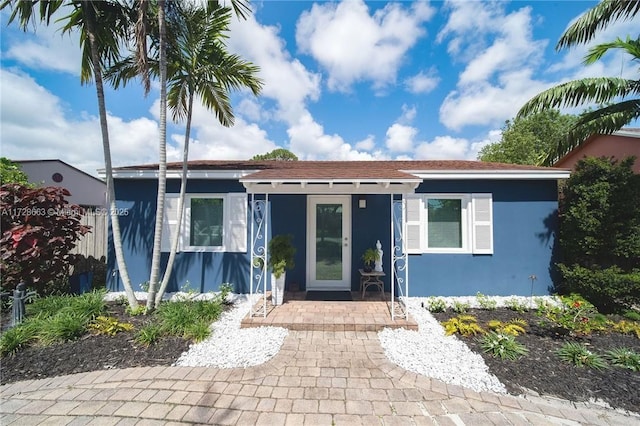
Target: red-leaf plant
(39,229)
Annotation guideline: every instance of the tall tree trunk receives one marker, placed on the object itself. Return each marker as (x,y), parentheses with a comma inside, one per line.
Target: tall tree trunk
(183,190)
(106,147)
(162,164)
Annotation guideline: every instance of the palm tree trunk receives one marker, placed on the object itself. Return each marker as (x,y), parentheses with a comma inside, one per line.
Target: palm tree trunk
(162,164)
(183,190)
(106,147)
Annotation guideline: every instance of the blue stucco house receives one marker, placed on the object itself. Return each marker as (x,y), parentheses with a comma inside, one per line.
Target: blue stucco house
(447,228)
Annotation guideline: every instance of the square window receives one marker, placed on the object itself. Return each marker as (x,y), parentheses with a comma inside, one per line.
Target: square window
(444,223)
(206,222)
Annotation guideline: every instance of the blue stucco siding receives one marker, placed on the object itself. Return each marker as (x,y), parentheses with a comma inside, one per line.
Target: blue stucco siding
(202,272)
(524,223)
(289,216)
(369,225)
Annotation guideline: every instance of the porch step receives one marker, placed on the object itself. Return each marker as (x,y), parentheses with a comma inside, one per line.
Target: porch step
(370,314)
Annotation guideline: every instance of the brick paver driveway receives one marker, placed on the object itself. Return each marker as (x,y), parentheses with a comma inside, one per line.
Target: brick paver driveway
(318,378)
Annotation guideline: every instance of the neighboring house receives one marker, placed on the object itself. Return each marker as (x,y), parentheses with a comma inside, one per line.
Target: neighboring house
(619,145)
(458,227)
(86,190)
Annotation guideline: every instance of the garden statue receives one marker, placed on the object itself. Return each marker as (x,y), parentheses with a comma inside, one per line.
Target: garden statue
(378,264)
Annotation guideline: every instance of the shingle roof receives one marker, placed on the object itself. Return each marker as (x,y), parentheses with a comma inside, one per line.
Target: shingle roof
(296,170)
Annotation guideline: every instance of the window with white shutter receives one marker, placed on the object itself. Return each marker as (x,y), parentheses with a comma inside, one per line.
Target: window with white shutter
(211,222)
(449,223)
(482,208)
(414,230)
(170,221)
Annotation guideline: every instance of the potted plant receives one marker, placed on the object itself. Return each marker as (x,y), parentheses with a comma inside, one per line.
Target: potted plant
(281,253)
(369,257)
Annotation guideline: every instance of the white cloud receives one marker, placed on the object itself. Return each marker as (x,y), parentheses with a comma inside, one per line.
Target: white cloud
(286,80)
(443,148)
(353,45)
(423,82)
(484,103)
(46,49)
(400,138)
(366,144)
(50,134)
(501,56)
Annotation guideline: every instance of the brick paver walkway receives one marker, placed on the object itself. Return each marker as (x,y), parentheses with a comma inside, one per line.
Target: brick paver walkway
(318,378)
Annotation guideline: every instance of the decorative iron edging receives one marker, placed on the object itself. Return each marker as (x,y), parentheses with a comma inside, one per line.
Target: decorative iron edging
(399,258)
(258,267)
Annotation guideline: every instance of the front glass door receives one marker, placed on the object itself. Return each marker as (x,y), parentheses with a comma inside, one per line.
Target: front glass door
(329,240)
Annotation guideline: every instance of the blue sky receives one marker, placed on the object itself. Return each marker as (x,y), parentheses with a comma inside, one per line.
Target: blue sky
(343,81)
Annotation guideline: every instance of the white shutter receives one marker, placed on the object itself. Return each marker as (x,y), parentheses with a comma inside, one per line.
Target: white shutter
(235,227)
(414,237)
(482,214)
(170,221)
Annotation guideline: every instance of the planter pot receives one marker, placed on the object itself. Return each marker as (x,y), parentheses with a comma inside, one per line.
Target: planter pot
(277,289)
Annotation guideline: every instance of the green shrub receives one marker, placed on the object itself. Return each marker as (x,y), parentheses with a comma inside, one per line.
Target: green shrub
(486,302)
(17,338)
(67,325)
(632,315)
(515,305)
(149,334)
(198,331)
(576,316)
(180,318)
(436,305)
(578,355)
(465,325)
(502,346)
(460,307)
(609,289)
(599,233)
(625,358)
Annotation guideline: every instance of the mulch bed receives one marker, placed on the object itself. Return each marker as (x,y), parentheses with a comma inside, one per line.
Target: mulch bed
(542,371)
(93,352)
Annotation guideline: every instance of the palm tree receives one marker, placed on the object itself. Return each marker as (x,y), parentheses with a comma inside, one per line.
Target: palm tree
(617,96)
(197,66)
(103,26)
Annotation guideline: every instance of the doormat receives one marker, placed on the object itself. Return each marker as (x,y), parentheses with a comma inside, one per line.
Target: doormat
(329,296)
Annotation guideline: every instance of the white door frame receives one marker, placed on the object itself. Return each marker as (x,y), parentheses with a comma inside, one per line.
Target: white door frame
(345,283)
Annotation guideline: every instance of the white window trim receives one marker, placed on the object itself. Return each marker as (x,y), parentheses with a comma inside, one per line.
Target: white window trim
(469,224)
(186,226)
(234,226)
(465,226)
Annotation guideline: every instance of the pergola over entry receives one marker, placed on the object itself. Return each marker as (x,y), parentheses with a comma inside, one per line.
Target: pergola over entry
(329,178)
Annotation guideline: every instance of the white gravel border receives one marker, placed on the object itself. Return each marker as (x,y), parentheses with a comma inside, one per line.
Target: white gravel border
(431,353)
(228,346)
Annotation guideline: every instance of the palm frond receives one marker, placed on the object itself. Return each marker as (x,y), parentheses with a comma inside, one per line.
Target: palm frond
(632,47)
(598,90)
(597,18)
(604,120)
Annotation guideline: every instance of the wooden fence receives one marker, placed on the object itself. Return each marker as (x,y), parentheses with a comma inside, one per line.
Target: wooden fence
(95,242)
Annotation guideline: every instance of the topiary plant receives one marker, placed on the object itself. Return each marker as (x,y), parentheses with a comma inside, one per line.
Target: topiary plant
(281,254)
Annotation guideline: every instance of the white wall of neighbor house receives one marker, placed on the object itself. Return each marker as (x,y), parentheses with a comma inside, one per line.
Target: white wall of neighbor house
(85,189)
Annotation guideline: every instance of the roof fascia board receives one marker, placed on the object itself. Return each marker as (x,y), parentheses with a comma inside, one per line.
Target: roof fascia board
(626,134)
(492,174)
(327,188)
(177,174)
